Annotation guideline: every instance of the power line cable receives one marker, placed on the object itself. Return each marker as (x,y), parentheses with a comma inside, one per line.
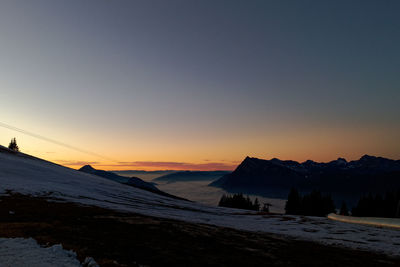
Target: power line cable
(10,127)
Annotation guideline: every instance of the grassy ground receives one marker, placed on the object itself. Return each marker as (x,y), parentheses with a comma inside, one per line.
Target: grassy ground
(118,239)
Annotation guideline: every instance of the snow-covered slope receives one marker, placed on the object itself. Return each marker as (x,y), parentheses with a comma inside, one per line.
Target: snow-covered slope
(28,175)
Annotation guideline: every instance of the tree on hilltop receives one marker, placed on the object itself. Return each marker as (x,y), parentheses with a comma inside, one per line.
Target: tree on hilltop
(13,145)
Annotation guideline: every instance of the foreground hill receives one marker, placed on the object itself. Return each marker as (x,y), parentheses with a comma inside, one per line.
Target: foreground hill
(33,177)
(113,238)
(185,176)
(354,178)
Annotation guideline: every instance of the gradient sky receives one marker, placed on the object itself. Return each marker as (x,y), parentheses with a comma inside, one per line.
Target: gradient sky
(201,84)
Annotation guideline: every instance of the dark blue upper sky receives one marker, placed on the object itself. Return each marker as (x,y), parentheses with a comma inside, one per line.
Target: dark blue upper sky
(300,79)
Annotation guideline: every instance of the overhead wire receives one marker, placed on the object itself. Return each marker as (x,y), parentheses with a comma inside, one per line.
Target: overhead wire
(44,138)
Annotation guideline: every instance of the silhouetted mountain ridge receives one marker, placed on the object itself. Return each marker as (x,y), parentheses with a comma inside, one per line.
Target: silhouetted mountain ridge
(269,177)
(131,181)
(184,176)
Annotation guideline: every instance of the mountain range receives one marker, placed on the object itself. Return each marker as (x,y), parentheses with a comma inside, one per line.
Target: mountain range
(343,179)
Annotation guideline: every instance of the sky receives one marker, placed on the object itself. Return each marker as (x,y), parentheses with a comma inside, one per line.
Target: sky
(200,84)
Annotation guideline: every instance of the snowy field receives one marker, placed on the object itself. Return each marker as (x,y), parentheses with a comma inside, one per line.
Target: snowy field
(28,175)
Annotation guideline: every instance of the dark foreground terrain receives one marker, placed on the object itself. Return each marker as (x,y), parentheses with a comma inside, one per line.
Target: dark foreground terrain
(119,239)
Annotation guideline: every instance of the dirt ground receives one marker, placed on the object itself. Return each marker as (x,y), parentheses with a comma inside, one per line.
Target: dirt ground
(119,239)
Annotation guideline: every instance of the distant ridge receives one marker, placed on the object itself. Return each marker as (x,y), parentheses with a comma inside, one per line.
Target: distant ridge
(182,176)
(131,181)
(341,178)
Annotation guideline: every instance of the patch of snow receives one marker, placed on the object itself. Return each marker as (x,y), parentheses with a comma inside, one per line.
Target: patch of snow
(28,175)
(23,252)
(90,262)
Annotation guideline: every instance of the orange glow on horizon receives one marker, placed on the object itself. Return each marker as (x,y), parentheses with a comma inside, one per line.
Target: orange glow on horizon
(218,153)
(153,166)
